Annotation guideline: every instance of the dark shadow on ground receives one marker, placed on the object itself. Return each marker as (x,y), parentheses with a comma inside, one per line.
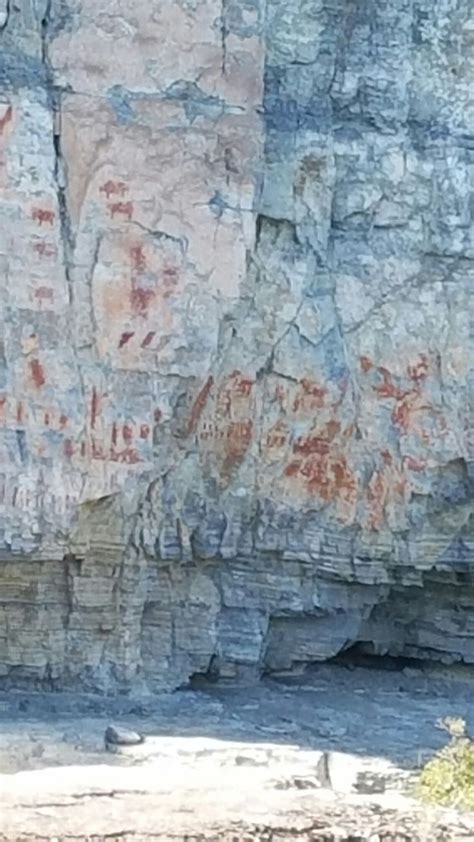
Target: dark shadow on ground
(387,712)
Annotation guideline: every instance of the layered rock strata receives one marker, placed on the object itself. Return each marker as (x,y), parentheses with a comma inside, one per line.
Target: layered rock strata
(236,255)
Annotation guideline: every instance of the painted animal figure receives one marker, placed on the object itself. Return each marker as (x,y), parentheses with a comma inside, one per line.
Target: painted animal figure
(113,188)
(122,208)
(41,215)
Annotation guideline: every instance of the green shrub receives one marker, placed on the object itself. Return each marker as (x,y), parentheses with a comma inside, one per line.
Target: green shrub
(448,778)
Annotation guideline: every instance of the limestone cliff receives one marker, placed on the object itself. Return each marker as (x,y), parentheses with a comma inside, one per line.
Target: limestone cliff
(236,251)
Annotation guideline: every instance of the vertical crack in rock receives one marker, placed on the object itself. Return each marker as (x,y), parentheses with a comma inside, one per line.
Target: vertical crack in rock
(224,34)
(89,276)
(294,393)
(4,14)
(60,176)
(60,170)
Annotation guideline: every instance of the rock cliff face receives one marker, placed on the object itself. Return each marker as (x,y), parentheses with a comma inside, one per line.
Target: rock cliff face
(236,250)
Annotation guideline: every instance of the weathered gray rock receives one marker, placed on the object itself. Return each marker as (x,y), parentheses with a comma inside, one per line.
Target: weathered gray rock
(236,255)
(116,737)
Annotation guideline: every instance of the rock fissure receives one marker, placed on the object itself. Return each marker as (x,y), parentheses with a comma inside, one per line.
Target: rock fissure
(4,14)
(235,364)
(60,176)
(224,34)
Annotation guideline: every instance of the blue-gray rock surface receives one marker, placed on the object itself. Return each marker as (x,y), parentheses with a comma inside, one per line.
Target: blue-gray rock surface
(236,263)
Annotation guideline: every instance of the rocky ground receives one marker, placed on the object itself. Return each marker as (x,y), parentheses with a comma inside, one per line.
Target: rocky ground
(328,755)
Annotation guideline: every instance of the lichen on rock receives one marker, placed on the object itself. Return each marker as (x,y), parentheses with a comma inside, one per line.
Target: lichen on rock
(448,778)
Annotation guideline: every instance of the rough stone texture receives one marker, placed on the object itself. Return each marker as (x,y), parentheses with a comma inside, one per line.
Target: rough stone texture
(236,250)
(283,759)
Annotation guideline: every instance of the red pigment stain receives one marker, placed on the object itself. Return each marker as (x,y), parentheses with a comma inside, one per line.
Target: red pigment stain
(307,445)
(242,386)
(277,436)
(45,249)
(401,415)
(414,464)
(170,280)
(7,118)
(138,258)
(144,431)
(293,468)
(129,456)
(349,431)
(148,338)
(238,438)
(97,451)
(401,486)
(44,294)
(113,188)
(366,364)
(376,495)
(339,470)
(345,482)
(206,432)
(387,457)
(140,300)
(94,407)
(330,478)
(37,373)
(170,275)
(314,470)
(387,388)
(310,396)
(68,448)
(122,209)
(127,433)
(125,338)
(199,404)
(63,419)
(419,371)
(280,394)
(324,472)
(41,215)
(313,389)
(224,401)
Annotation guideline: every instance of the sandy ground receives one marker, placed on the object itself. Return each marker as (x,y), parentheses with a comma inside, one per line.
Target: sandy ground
(330,755)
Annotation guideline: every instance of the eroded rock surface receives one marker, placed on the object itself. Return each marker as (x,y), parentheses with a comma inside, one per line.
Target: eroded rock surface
(236,250)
